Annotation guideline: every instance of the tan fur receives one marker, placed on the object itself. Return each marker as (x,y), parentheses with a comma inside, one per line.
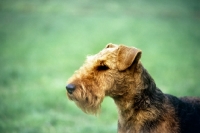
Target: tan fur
(117,72)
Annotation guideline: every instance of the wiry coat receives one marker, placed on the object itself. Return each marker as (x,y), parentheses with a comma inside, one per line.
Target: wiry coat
(142,108)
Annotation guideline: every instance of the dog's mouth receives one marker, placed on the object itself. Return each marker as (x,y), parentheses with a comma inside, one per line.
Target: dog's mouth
(72,97)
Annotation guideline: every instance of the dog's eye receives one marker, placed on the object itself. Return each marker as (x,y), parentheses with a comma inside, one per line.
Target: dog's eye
(102,67)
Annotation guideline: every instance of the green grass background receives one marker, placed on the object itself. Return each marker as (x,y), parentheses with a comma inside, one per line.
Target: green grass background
(42,42)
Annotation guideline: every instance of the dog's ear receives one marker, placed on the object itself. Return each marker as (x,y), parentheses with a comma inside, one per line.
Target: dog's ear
(127,56)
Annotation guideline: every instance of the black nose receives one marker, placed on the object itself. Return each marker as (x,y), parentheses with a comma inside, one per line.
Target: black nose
(70,88)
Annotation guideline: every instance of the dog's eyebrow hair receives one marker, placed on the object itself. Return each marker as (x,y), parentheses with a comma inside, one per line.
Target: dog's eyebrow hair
(142,106)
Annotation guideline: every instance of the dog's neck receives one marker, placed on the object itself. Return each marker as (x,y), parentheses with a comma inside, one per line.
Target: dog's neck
(134,108)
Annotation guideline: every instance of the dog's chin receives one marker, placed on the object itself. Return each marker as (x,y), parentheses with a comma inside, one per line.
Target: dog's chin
(87,102)
(89,109)
(87,106)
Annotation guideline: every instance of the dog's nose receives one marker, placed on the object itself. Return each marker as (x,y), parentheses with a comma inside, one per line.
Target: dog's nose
(70,88)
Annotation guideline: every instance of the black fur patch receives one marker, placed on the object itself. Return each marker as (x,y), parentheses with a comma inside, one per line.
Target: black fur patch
(188,114)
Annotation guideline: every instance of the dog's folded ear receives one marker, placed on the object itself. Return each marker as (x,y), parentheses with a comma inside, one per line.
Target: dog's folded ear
(127,56)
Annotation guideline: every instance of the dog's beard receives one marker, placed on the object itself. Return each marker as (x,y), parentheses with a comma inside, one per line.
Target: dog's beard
(88,103)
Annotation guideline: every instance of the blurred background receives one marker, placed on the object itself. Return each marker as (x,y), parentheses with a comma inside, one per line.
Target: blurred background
(42,42)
